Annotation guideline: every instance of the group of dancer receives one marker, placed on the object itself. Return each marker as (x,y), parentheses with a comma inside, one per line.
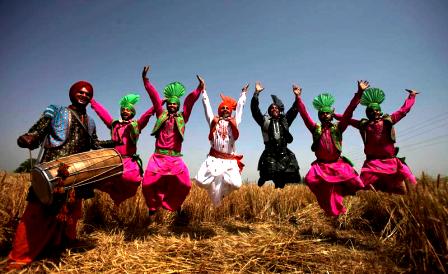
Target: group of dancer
(64,131)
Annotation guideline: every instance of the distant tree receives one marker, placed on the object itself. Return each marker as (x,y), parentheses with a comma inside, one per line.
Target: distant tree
(25,166)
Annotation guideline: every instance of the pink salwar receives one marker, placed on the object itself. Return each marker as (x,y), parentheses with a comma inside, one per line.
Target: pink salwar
(330,178)
(166,182)
(125,186)
(330,182)
(387,175)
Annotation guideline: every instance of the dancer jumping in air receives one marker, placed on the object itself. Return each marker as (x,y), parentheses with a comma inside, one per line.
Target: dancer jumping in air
(277,162)
(166,182)
(331,176)
(220,174)
(382,169)
(125,133)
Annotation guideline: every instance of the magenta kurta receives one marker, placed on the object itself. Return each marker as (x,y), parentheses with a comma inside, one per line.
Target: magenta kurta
(166,182)
(382,168)
(330,177)
(124,187)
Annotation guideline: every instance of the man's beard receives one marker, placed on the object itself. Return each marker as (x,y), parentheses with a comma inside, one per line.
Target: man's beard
(225,115)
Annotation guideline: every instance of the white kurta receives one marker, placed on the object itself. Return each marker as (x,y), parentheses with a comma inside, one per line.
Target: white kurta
(220,176)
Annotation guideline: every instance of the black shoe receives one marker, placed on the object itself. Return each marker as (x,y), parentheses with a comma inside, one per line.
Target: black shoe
(261,182)
(80,245)
(279,185)
(182,218)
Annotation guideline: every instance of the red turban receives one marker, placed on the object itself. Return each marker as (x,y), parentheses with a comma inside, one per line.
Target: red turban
(227,101)
(78,86)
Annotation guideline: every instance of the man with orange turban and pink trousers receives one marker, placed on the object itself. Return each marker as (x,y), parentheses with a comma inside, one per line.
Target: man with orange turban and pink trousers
(220,174)
(383,170)
(331,176)
(166,182)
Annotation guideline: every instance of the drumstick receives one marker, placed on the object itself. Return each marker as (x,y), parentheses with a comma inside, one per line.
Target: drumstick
(31,160)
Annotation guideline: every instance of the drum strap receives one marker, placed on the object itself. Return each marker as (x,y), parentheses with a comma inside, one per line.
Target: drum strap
(41,151)
(79,120)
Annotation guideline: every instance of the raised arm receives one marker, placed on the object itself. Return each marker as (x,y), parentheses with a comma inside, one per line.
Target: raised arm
(309,123)
(353,122)
(255,104)
(405,108)
(192,98)
(152,92)
(240,105)
(144,118)
(102,112)
(292,112)
(348,113)
(207,108)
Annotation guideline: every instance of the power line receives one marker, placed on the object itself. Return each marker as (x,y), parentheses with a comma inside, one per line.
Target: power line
(425,129)
(425,145)
(426,121)
(427,141)
(422,132)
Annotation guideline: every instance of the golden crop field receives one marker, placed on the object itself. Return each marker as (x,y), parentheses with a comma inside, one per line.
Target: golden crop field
(255,230)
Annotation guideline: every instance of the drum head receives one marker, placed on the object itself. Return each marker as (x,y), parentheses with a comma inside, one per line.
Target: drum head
(41,186)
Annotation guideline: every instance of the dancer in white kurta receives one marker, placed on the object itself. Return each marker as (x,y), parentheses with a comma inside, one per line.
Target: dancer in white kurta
(220,174)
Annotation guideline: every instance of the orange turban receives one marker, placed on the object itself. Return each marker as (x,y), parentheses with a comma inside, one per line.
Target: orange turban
(228,102)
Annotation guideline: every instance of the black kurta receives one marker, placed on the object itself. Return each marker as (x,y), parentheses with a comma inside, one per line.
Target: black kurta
(277,162)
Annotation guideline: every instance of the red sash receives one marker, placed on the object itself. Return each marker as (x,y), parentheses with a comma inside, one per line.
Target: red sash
(227,156)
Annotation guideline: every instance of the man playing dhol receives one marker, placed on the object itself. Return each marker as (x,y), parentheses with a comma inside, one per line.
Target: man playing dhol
(220,174)
(166,182)
(62,131)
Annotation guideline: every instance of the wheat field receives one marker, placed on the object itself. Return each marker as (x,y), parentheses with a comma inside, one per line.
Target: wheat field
(254,230)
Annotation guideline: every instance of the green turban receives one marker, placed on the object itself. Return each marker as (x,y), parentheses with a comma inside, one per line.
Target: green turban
(128,101)
(173,92)
(324,102)
(372,98)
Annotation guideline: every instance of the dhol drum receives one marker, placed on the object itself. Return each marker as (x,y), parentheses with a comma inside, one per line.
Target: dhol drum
(74,171)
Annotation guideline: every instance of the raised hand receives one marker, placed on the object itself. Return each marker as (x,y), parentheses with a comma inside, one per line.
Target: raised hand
(412,92)
(363,85)
(297,90)
(244,89)
(145,71)
(258,87)
(201,85)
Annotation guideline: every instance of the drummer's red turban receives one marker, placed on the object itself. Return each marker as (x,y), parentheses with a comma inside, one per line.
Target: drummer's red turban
(78,86)
(227,101)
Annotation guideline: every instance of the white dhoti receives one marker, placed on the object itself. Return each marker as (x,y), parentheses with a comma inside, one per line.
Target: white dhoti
(219,177)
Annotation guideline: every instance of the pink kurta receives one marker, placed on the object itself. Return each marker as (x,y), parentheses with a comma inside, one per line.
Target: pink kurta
(330,177)
(166,182)
(124,187)
(381,168)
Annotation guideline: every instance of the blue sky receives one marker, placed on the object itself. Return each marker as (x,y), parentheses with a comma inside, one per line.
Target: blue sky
(320,45)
